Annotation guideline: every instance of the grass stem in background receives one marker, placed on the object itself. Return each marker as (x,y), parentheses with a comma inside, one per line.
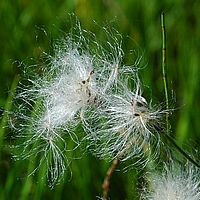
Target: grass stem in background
(181,150)
(7,107)
(164,69)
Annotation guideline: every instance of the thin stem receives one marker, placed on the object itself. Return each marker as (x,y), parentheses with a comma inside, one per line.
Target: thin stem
(7,108)
(164,73)
(106,183)
(164,68)
(180,149)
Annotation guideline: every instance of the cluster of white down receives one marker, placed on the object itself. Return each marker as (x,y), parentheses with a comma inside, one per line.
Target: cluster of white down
(175,184)
(85,86)
(128,128)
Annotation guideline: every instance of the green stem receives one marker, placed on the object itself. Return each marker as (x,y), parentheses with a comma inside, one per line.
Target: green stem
(164,74)
(164,69)
(7,107)
(181,150)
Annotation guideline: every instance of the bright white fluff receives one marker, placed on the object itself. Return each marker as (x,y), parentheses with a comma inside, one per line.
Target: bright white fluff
(175,184)
(127,126)
(52,108)
(72,84)
(84,83)
(73,88)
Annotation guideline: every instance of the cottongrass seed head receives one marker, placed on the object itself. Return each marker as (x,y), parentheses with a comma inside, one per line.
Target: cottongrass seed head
(84,83)
(50,109)
(128,126)
(73,83)
(175,183)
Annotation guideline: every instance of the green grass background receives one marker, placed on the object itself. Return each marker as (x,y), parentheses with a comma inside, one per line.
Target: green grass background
(22,37)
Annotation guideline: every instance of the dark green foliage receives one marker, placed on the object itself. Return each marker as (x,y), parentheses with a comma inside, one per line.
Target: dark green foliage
(28,28)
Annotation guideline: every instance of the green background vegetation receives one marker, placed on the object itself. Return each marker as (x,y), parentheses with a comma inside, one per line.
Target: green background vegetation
(23,37)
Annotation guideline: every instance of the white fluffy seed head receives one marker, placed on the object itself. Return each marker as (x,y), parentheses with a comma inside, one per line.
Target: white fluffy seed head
(127,127)
(175,184)
(50,109)
(38,140)
(80,84)
(74,88)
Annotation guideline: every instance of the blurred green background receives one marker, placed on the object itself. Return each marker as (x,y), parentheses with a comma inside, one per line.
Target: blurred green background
(22,33)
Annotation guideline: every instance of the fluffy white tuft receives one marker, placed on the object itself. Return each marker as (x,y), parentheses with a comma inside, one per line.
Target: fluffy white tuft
(127,126)
(84,83)
(175,184)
